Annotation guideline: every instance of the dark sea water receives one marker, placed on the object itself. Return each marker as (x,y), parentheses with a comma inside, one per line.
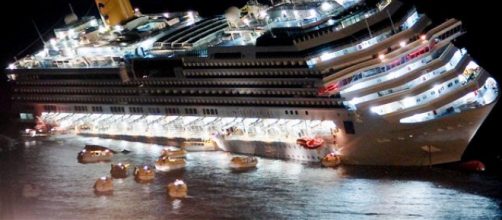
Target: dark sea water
(275,190)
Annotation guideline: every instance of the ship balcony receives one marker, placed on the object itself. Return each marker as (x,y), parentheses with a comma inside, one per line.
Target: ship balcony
(440,95)
(405,87)
(366,54)
(482,97)
(345,79)
(402,75)
(408,23)
(397,68)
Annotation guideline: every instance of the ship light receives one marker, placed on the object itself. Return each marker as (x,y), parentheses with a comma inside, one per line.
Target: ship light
(53,42)
(263,14)
(118,28)
(94,23)
(355,101)
(102,29)
(402,44)
(381,57)
(437,87)
(326,56)
(12,66)
(166,15)
(296,14)
(245,21)
(375,109)
(178,182)
(312,13)
(325,6)
(71,33)
(409,101)
(191,16)
(423,37)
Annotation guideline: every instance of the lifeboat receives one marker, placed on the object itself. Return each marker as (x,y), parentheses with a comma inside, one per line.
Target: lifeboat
(243,162)
(177,189)
(119,170)
(473,166)
(167,163)
(143,174)
(103,185)
(94,155)
(310,143)
(31,191)
(202,145)
(331,160)
(173,153)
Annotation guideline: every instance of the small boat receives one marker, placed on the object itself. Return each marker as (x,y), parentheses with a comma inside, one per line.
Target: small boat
(310,143)
(143,174)
(198,145)
(97,147)
(167,163)
(31,191)
(243,162)
(33,133)
(331,160)
(177,189)
(173,153)
(103,185)
(472,166)
(119,170)
(94,155)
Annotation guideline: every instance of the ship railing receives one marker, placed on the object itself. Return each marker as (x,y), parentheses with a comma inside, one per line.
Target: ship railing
(348,76)
(446,90)
(417,85)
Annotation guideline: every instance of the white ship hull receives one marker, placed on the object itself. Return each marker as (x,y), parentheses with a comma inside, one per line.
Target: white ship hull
(383,143)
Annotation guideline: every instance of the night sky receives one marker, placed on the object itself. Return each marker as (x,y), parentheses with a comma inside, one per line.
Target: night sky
(480,20)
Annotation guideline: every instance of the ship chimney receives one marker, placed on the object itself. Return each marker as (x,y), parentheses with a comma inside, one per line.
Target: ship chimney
(114,12)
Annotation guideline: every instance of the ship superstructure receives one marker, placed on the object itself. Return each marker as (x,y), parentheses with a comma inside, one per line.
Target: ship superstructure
(378,84)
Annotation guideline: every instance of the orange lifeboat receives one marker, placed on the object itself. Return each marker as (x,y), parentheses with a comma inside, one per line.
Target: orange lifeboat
(473,166)
(310,143)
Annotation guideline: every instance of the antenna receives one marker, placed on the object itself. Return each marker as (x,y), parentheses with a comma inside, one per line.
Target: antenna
(71,8)
(38,31)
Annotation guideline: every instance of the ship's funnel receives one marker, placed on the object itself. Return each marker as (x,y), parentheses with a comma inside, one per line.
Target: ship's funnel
(114,12)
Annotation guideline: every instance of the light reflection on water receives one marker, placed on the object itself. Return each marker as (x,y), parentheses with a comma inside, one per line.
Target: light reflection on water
(275,190)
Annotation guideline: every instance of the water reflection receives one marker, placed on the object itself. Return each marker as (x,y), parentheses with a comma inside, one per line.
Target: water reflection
(275,189)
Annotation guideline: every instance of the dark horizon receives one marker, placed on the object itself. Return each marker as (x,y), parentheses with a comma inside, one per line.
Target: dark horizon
(20,33)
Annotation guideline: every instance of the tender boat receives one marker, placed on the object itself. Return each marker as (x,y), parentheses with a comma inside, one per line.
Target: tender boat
(331,160)
(177,189)
(103,185)
(243,162)
(119,170)
(94,154)
(167,163)
(144,174)
(173,153)
(198,145)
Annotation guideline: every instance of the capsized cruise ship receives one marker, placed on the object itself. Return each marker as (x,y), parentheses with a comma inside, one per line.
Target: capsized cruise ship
(378,84)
